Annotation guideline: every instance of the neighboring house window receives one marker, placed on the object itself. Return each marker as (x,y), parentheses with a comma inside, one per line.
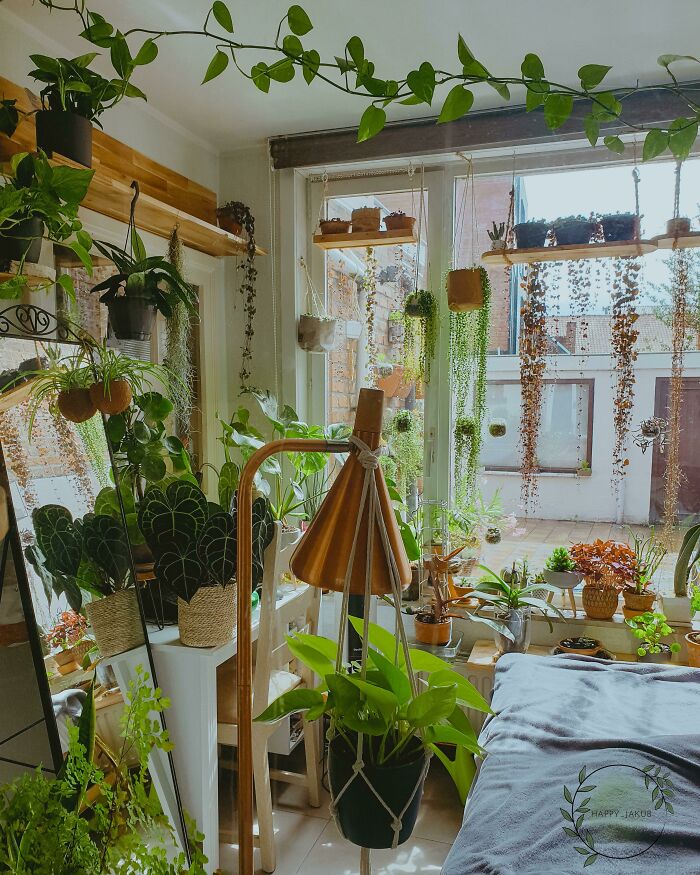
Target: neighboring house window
(566,431)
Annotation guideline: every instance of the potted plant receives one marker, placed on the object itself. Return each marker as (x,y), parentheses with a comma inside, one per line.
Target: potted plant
(73,96)
(650,628)
(141,287)
(64,637)
(119,376)
(64,383)
(571,230)
(334,226)
(493,535)
(399,221)
(464,433)
(513,605)
(692,639)
(465,288)
(497,236)
(38,199)
(606,566)
(584,468)
(620,226)
(195,549)
(677,227)
(678,606)
(316,332)
(581,646)
(399,728)
(531,234)
(419,334)
(497,428)
(649,553)
(560,569)
(366,219)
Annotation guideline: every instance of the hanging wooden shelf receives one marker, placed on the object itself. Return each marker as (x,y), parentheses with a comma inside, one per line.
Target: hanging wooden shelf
(36,275)
(363,239)
(690,240)
(575,252)
(12,397)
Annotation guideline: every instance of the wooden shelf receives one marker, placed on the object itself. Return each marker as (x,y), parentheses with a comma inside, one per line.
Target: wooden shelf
(363,239)
(691,240)
(12,397)
(575,252)
(36,275)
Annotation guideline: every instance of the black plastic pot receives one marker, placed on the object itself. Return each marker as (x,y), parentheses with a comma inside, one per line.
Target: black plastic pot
(574,232)
(529,235)
(23,239)
(66,133)
(131,317)
(361,817)
(617,227)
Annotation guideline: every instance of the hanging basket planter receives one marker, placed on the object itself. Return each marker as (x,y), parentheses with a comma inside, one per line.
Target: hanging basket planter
(497,428)
(366,219)
(399,221)
(676,227)
(23,240)
(112,399)
(66,133)
(334,226)
(465,289)
(76,405)
(131,317)
(316,333)
(360,816)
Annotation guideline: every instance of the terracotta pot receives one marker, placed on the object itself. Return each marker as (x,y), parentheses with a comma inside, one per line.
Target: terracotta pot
(66,661)
(76,405)
(316,334)
(581,651)
(464,290)
(115,400)
(395,222)
(366,219)
(334,226)
(433,633)
(677,226)
(692,639)
(638,602)
(599,600)
(229,224)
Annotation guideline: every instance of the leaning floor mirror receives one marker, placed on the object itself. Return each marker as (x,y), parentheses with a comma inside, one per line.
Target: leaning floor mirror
(75,659)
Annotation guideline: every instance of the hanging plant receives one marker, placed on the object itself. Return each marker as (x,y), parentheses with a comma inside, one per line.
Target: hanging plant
(533,349)
(465,289)
(404,437)
(178,350)
(92,434)
(469,343)
(625,290)
(369,285)
(419,335)
(316,330)
(497,428)
(464,434)
(237,215)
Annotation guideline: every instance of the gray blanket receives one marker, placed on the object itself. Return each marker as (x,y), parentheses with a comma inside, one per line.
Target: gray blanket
(619,740)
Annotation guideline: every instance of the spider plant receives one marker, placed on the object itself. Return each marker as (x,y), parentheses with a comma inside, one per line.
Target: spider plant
(504,598)
(65,379)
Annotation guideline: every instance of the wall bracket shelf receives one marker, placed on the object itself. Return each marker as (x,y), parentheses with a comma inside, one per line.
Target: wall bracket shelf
(691,240)
(575,252)
(363,239)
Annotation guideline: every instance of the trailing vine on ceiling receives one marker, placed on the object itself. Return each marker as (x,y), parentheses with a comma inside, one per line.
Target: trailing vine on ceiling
(352,72)
(533,349)
(625,289)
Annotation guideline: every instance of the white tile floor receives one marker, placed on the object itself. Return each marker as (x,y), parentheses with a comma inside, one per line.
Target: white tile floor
(308,842)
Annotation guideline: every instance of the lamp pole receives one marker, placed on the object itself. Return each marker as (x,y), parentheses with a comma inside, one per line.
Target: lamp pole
(244,578)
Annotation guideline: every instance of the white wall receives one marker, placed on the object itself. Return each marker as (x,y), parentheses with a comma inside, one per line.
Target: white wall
(565,496)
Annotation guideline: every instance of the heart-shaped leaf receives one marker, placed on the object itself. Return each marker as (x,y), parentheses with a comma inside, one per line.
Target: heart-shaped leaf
(176,515)
(180,570)
(106,544)
(57,538)
(216,547)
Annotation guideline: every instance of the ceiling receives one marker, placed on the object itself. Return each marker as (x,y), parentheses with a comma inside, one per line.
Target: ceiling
(230,113)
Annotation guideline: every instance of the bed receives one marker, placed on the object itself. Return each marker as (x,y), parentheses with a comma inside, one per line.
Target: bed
(613,734)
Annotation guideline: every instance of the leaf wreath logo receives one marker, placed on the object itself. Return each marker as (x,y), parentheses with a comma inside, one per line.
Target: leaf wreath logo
(579,806)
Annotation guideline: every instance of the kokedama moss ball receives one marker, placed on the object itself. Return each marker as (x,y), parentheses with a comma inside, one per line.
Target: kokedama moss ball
(497,428)
(493,535)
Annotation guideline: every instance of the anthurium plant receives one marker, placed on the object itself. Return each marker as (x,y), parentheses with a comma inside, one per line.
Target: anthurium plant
(380,703)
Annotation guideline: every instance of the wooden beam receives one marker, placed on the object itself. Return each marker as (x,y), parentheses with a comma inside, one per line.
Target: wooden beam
(492,128)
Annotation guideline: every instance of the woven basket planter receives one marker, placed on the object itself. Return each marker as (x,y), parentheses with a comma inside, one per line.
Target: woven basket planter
(209,618)
(638,601)
(116,622)
(366,219)
(600,598)
(465,291)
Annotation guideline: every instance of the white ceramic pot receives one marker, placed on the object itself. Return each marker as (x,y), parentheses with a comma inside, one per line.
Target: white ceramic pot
(563,579)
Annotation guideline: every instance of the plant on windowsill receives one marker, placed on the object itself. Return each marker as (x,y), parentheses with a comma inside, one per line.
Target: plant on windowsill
(678,606)
(584,468)
(497,235)
(531,234)
(73,96)
(419,335)
(650,628)
(399,221)
(65,638)
(607,567)
(398,728)
(560,570)
(195,548)
(571,230)
(620,226)
(38,200)
(649,553)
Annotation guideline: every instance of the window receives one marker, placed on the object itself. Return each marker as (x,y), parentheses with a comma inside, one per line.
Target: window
(566,431)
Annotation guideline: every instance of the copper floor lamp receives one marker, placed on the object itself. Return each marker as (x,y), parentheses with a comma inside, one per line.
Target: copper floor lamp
(321,558)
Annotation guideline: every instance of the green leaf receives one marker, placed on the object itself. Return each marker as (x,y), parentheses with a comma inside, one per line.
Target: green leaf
(565,814)
(422,82)
(65,281)
(665,60)
(324,645)
(383,700)
(535,95)
(221,13)
(397,680)
(372,121)
(591,860)
(682,135)
(83,255)
(311,61)
(570,832)
(467,694)
(281,71)
(433,705)
(591,126)
(154,406)
(457,103)
(383,640)
(153,468)
(356,50)
(606,107)
(557,109)
(567,794)
(532,67)
(147,53)
(463,52)
(501,89)
(591,75)
(299,22)
(290,703)
(261,77)
(615,144)
(121,56)
(310,656)
(292,45)
(216,67)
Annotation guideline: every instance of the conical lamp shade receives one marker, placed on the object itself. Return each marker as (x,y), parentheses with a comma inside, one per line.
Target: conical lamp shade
(322,556)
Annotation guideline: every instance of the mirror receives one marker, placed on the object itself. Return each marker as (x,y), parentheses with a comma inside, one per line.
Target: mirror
(69,596)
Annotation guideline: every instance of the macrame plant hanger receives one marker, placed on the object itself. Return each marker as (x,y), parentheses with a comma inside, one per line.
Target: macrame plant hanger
(314,301)
(369,503)
(421,219)
(461,213)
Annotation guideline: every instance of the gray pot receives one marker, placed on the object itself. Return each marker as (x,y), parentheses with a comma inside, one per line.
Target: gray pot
(663,658)
(316,334)
(563,579)
(518,621)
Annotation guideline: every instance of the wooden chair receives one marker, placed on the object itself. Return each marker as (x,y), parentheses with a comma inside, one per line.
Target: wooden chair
(275,672)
